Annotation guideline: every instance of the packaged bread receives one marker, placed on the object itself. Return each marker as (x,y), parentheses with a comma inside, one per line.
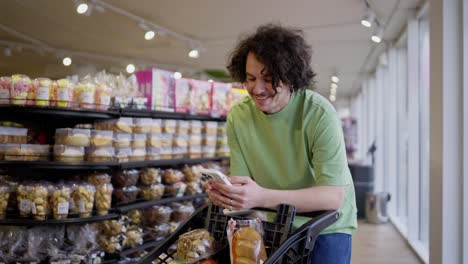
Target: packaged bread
(182,212)
(121,125)
(4,198)
(39,197)
(210,127)
(157,215)
(195,245)
(122,140)
(65,153)
(183,127)
(169,126)
(100,154)
(149,176)
(246,241)
(154,140)
(125,195)
(153,153)
(142,125)
(153,192)
(138,140)
(60,201)
(72,137)
(13,135)
(138,154)
(20,87)
(123,154)
(5,86)
(102,138)
(175,190)
(82,201)
(125,178)
(99,178)
(167,139)
(26,152)
(171,176)
(103,198)
(195,126)
(195,140)
(135,216)
(156,126)
(65,90)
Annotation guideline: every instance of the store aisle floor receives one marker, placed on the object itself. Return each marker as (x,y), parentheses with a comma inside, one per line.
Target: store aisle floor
(380,244)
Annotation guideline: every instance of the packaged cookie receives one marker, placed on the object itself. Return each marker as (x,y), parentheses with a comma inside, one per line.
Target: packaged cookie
(149,176)
(195,140)
(156,126)
(39,197)
(102,138)
(102,97)
(182,212)
(65,153)
(42,91)
(72,137)
(21,85)
(65,90)
(112,227)
(125,195)
(183,127)
(135,216)
(133,237)
(193,187)
(169,126)
(138,140)
(99,178)
(154,140)
(167,139)
(125,178)
(24,200)
(196,126)
(82,200)
(157,215)
(171,176)
(84,94)
(4,198)
(138,154)
(103,198)
(196,245)
(195,152)
(192,173)
(122,140)
(26,152)
(142,125)
(123,154)
(210,127)
(60,201)
(100,154)
(110,244)
(153,192)
(153,153)
(175,190)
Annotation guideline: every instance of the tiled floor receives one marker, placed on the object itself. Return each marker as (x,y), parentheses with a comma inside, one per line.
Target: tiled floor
(380,244)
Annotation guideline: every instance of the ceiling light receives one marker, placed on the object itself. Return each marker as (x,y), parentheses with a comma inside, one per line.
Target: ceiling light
(149,35)
(177,75)
(210,80)
(332,98)
(334,86)
(82,8)
(377,36)
(333,91)
(335,79)
(130,68)
(67,61)
(368,19)
(194,54)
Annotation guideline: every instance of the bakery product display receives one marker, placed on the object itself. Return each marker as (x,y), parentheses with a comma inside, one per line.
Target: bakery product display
(102,138)
(100,154)
(26,152)
(68,153)
(72,137)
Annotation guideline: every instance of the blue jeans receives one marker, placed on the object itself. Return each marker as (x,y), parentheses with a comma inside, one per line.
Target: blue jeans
(331,249)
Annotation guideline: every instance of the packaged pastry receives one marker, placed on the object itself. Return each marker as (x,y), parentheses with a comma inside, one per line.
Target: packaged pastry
(153,192)
(195,245)
(201,94)
(82,201)
(175,190)
(166,153)
(13,199)
(169,126)
(138,154)
(125,195)
(138,140)
(84,93)
(167,139)
(4,198)
(5,86)
(121,125)
(154,140)
(102,97)
(72,137)
(122,140)
(135,216)
(220,98)
(192,173)
(195,152)
(222,128)
(39,197)
(182,212)
(142,125)
(153,153)
(156,126)
(100,154)
(222,152)
(60,201)
(209,140)
(180,140)
(20,87)
(103,198)
(13,135)
(193,187)
(149,176)
(68,153)
(24,200)
(99,178)
(42,91)
(196,126)
(110,244)
(112,227)
(102,138)
(179,152)
(171,176)
(158,232)
(123,154)
(157,215)
(246,241)
(195,140)
(210,127)
(125,178)
(209,151)
(27,152)
(183,127)
(65,90)
(133,237)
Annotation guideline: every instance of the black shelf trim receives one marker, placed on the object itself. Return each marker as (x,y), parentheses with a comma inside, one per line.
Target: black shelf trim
(32,222)
(145,204)
(168,162)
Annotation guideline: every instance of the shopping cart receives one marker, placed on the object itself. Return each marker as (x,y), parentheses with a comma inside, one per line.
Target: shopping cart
(282,245)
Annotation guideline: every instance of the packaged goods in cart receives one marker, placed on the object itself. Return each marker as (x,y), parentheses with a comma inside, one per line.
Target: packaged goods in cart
(13,135)
(100,154)
(4,198)
(102,97)
(153,192)
(72,137)
(246,241)
(142,125)
(84,93)
(5,86)
(82,201)
(195,245)
(20,87)
(102,138)
(27,152)
(42,91)
(157,215)
(68,153)
(125,195)
(64,93)
(125,178)
(103,198)
(60,201)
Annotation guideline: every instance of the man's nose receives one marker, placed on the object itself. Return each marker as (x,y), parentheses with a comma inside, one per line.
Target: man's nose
(259,86)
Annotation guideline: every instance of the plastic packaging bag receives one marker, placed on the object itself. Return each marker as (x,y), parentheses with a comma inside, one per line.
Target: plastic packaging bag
(195,245)
(246,241)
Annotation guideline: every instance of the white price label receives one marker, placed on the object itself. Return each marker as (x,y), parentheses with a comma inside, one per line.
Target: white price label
(63,95)
(87,98)
(81,206)
(43,93)
(25,206)
(62,208)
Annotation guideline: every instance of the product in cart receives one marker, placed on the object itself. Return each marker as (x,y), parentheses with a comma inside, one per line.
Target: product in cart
(195,245)
(246,241)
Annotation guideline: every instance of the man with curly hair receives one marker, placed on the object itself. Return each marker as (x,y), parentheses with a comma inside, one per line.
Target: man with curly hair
(286,141)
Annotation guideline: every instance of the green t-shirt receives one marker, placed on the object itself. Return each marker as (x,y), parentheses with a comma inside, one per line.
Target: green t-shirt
(299,147)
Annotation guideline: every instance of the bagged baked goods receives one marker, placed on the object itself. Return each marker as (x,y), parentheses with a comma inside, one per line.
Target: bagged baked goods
(20,87)
(195,245)
(158,232)
(181,212)
(100,154)
(171,176)
(153,192)
(112,227)
(133,237)
(82,201)
(60,201)
(149,176)
(39,197)
(135,216)
(183,127)
(4,197)
(99,178)
(125,178)
(246,241)
(194,187)
(192,173)
(153,153)
(157,215)
(103,198)
(72,137)
(102,138)
(125,195)
(64,91)
(121,125)
(175,190)
(65,153)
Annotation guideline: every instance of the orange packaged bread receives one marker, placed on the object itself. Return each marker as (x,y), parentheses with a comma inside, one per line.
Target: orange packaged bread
(246,242)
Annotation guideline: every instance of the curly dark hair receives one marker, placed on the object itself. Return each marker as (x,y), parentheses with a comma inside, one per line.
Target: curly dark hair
(283,51)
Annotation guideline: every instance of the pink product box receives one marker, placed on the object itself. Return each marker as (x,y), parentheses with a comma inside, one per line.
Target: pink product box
(220,95)
(201,97)
(158,86)
(182,95)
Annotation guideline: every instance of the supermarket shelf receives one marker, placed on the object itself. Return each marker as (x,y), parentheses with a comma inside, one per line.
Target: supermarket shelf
(32,222)
(145,246)
(168,162)
(145,204)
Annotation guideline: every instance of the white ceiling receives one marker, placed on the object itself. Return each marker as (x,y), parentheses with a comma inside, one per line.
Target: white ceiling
(332,27)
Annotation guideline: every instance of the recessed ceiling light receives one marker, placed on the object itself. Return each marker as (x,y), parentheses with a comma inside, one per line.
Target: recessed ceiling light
(82,8)
(334,86)
(149,35)
(177,75)
(67,61)
(194,54)
(332,98)
(130,68)
(335,79)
